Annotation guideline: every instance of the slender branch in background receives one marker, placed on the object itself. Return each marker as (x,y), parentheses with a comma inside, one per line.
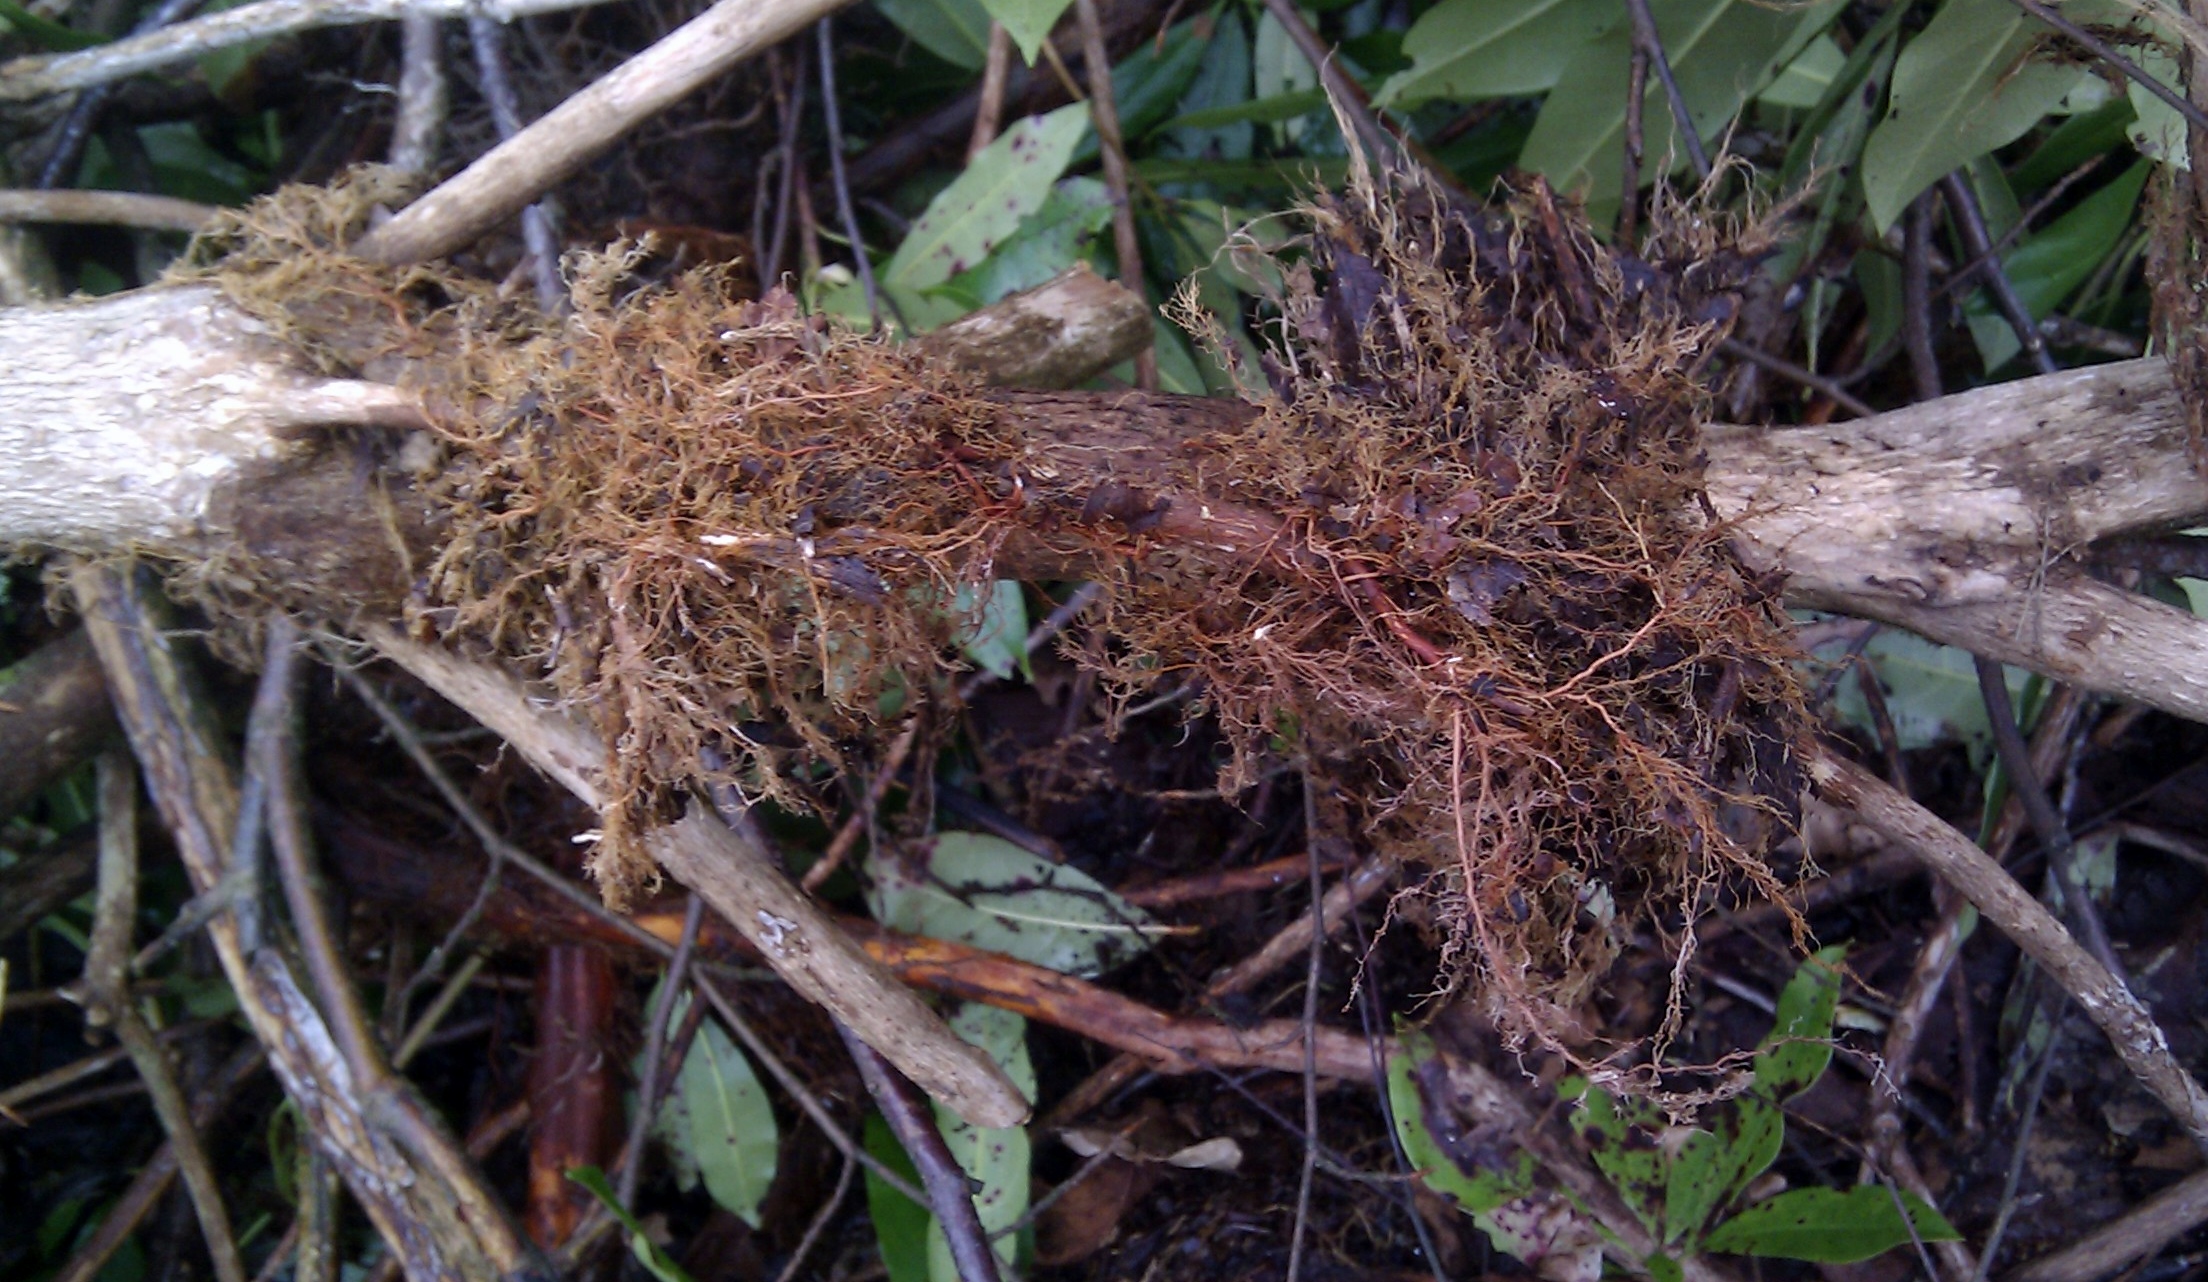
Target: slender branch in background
(792,106)
(2137,1234)
(151,1184)
(2101,49)
(1314,963)
(488,39)
(2047,825)
(75,130)
(996,70)
(2130,1026)
(2023,1148)
(1787,369)
(564,139)
(105,208)
(819,1225)
(499,849)
(149,49)
(832,112)
(1629,188)
(272,741)
(1104,110)
(107,1001)
(913,1123)
(1970,221)
(417,130)
(1649,41)
(655,1045)
(1386,146)
(1916,298)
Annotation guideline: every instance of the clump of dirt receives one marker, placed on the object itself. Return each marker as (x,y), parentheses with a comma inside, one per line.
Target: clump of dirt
(730,532)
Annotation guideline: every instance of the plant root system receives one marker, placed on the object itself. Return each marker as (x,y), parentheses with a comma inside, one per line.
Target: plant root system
(1456,548)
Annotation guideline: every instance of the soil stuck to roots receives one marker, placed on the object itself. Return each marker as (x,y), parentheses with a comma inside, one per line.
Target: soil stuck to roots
(1492,597)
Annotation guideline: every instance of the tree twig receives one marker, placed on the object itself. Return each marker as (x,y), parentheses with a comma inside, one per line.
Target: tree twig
(417,129)
(108,208)
(832,112)
(996,68)
(1970,221)
(1104,111)
(488,39)
(107,1001)
(1651,42)
(671,985)
(562,140)
(913,1124)
(35,77)
(2130,1026)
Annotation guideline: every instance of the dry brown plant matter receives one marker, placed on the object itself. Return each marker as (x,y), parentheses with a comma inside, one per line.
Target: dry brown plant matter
(1490,592)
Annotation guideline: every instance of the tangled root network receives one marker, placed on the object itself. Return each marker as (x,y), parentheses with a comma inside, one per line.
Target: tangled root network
(1497,605)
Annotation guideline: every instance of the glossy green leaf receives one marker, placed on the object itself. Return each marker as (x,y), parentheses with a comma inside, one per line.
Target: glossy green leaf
(1799,1047)
(996,633)
(1722,52)
(985,891)
(984,206)
(1148,84)
(1028,22)
(1962,88)
(1805,81)
(1830,1226)
(1050,240)
(733,1137)
(900,1224)
(996,1159)
(957,31)
(1221,84)
(2050,264)
(1493,48)
(655,1261)
(1278,67)
(1279,107)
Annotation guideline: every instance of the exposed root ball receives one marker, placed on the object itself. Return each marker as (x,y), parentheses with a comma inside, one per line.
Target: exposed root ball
(1502,583)
(1494,590)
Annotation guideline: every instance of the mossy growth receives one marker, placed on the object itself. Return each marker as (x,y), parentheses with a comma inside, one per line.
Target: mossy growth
(728,533)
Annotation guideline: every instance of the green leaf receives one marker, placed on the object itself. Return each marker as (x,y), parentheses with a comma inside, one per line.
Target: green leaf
(1621,1135)
(1962,88)
(1799,1047)
(1279,107)
(2157,129)
(1222,83)
(997,636)
(45,32)
(900,1224)
(1829,1226)
(1931,691)
(984,206)
(1493,48)
(1049,240)
(1278,67)
(957,31)
(1417,1097)
(996,1159)
(985,891)
(1027,21)
(647,1252)
(1802,86)
(2050,265)
(1722,52)
(732,1129)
